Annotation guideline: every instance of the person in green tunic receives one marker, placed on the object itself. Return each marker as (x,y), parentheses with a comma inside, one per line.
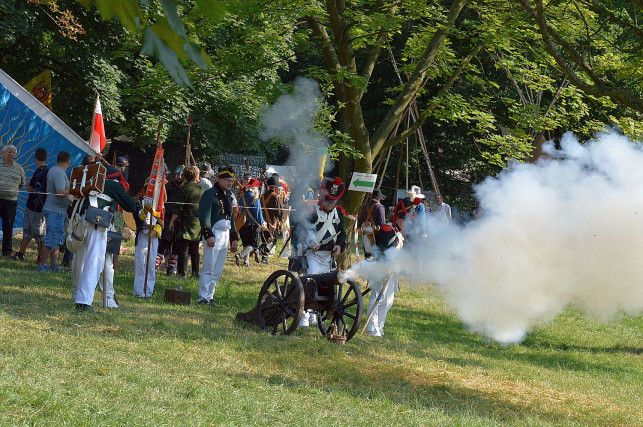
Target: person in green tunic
(185,221)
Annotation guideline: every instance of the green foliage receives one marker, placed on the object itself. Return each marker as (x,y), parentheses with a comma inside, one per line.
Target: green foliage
(164,35)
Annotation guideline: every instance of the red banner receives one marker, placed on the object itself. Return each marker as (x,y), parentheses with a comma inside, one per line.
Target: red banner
(155,193)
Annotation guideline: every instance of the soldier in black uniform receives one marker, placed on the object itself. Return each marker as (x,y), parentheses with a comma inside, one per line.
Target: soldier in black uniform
(323,237)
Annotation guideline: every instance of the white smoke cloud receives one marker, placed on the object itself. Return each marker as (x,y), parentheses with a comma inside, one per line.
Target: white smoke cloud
(566,230)
(292,119)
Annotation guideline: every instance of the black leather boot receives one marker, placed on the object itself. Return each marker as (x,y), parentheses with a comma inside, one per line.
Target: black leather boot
(183,265)
(195,260)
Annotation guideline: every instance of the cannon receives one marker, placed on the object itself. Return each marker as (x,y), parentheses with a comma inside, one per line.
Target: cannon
(285,296)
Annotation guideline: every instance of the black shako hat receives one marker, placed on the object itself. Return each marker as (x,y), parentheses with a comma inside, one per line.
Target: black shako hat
(226,172)
(332,190)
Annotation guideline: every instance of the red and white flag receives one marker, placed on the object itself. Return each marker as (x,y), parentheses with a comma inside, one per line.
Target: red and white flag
(97,139)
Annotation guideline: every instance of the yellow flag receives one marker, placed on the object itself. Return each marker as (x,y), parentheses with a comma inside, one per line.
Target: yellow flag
(40,88)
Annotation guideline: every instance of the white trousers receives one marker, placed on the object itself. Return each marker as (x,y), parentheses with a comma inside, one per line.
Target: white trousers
(318,262)
(109,277)
(88,262)
(140,257)
(375,326)
(213,262)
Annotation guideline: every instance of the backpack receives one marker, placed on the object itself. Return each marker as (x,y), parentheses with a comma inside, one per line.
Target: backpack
(76,228)
(37,199)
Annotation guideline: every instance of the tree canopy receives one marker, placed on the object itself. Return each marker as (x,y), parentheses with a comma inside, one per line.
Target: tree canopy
(484,81)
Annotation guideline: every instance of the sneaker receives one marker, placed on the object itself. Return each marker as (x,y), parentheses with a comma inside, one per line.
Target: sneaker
(84,307)
(42,268)
(55,269)
(264,260)
(203,301)
(246,264)
(212,303)
(237,259)
(18,256)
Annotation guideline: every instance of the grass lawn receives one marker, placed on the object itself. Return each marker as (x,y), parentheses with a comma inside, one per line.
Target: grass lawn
(152,363)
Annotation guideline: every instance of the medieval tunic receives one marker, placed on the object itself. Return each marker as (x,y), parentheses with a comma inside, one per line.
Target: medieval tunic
(215,216)
(388,237)
(189,228)
(89,260)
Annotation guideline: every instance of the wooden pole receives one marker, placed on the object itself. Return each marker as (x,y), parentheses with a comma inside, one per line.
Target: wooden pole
(188,151)
(104,296)
(372,310)
(149,232)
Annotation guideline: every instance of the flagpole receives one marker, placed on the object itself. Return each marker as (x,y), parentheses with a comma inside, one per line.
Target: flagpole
(151,209)
(187,144)
(91,132)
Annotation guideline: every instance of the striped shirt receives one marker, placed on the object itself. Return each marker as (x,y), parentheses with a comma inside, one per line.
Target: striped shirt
(12,178)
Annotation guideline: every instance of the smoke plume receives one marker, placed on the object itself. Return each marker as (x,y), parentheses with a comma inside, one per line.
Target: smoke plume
(565,230)
(291,119)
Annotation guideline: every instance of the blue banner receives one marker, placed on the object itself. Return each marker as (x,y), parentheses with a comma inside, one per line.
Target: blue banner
(27,124)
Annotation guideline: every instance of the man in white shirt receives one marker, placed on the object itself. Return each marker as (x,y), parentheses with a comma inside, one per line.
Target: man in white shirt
(443,211)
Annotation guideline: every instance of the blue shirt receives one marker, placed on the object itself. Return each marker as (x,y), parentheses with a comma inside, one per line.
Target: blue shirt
(250,203)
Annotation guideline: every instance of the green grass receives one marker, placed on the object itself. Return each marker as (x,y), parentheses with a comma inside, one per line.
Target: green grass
(151,363)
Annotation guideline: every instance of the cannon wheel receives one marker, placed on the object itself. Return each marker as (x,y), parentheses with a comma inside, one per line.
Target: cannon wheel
(281,303)
(347,310)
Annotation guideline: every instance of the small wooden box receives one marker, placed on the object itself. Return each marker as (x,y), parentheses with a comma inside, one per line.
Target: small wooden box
(177,296)
(87,178)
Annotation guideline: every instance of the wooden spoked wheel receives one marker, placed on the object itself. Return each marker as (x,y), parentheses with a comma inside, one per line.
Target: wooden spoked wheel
(346,311)
(281,303)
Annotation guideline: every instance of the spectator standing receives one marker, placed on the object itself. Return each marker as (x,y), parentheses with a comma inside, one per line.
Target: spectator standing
(12,179)
(442,212)
(33,222)
(55,211)
(188,229)
(205,174)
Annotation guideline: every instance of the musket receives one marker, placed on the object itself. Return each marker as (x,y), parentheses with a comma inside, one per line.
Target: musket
(322,243)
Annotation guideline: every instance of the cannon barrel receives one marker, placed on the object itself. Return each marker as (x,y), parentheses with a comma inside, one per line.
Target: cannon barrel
(326,280)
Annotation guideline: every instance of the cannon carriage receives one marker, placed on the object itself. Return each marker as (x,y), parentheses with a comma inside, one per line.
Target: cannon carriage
(285,296)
